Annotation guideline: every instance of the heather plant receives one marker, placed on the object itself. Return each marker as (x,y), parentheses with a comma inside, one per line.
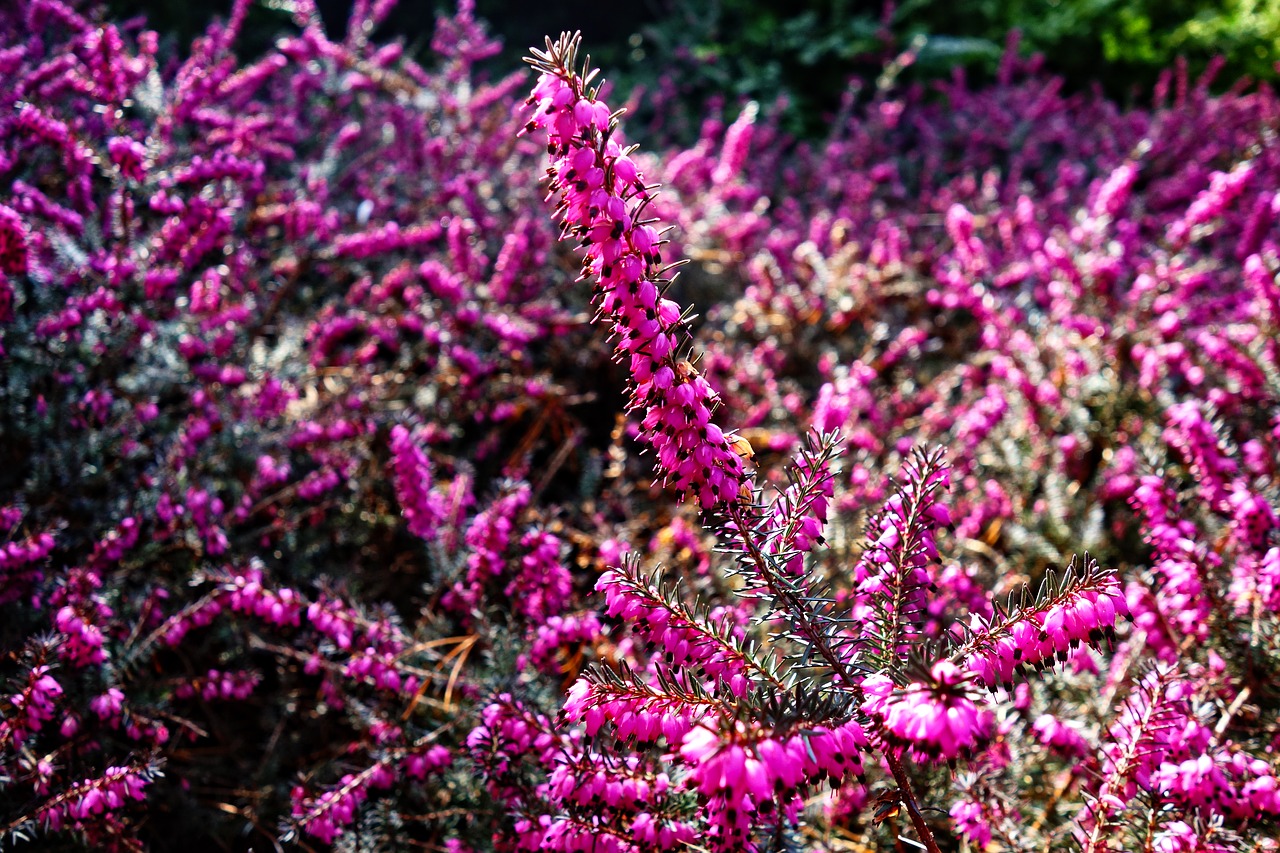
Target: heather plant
(352,501)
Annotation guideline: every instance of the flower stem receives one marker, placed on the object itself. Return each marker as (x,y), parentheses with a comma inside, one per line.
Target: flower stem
(908,797)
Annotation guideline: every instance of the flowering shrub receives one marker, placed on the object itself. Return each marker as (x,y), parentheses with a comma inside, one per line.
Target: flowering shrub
(350,499)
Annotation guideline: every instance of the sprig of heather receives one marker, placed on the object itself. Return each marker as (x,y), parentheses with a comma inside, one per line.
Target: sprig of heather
(628,796)
(747,775)
(1193,435)
(412,474)
(541,578)
(33,703)
(96,807)
(744,771)
(891,576)
(798,517)
(687,637)
(1176,608)
(602,204)
(560,641)
(1079,607)
(19,559)
(635,709)
(327,815)
(1135,750)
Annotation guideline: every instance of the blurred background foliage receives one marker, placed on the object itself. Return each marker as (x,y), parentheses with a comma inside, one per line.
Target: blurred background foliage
(807,51)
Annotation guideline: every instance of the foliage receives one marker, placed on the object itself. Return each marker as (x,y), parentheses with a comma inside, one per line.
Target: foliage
(350,500)
(764,50)
(1127,42)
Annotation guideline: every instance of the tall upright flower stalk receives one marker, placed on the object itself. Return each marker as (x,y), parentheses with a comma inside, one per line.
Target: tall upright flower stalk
(602,205)
(602,199)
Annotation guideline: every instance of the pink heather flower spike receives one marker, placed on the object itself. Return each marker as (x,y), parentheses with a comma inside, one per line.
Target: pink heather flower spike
(603,197)
(1083,611)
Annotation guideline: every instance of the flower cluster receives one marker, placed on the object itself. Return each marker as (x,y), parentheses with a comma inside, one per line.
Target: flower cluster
(935,719)
(561,634)
(94,806)
(412,472)
(684,637)
(1027,637)
(603,197)
(32,707)
(17,554)
(328,815)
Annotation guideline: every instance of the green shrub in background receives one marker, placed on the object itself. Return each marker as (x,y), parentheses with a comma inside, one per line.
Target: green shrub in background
(1120,43)
(762,49)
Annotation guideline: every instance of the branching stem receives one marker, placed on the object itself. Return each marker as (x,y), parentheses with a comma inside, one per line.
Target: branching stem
(811,632)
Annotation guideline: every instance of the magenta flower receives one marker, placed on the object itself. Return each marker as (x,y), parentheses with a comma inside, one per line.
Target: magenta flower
(13,242)
(936,719)
(603,198)
(1083,612)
